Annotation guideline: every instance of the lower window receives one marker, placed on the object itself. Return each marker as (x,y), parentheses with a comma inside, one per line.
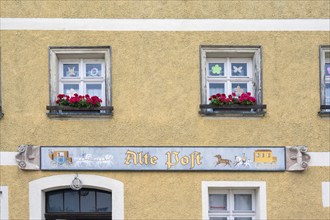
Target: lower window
(78,205)
(234,200)
(229,204)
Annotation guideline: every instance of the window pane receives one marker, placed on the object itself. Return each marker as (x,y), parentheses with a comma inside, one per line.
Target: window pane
(243,218)
(327,93)
(327,70)
(239,88)
(71,89)
(243,201)
(215,88)
(54,201)
(93,70)
(218,202)
(239,69)
(104,202)
(71,201)
(70,70)
(216,69)
(94,90)
(87,200)
(218,218)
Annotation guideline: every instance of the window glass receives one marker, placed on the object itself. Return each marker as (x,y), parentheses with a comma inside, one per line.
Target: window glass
(70,89)
(218,202)
(84,200)
(54,201)
(327,70)
(104,202)
(216,69)
(243,202)
(218,218)
(71,201)
(239,69)
(239,88)
(215,88)
(94,90)
(243,218)
(70,70)
(87,201)
(93,70)
(327,93)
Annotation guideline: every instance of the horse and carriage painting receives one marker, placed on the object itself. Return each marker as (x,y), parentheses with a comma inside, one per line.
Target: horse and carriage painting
(262,157)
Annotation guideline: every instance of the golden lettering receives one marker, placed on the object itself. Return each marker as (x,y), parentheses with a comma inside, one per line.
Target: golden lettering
(129,155)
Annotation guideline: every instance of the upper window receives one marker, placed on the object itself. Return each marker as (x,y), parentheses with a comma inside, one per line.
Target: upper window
(325,79)
(83,73)
(229,74)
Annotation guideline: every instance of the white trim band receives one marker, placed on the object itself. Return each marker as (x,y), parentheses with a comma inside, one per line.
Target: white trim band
(89,24)
(319,159)
(8,159)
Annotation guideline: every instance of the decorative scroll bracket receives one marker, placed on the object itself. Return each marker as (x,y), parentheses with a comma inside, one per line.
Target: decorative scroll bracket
(297,158)
(28,157)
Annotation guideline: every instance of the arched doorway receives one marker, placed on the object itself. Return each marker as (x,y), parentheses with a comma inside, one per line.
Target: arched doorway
(39,189)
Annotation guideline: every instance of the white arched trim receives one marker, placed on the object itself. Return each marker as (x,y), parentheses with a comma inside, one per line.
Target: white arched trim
(37,189)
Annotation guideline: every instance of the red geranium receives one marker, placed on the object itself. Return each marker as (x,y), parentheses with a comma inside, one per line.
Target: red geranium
(78,101)
(222,99)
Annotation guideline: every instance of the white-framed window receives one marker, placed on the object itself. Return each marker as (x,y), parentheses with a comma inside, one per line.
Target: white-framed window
(81,70)
(4,202)
(230,69)
(325,75)
(38,192)
(233,200)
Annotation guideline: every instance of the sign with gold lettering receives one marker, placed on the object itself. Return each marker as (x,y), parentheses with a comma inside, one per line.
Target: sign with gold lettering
(134,158)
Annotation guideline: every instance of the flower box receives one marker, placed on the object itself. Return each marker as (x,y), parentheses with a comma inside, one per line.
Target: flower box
(75,111)
(234,107)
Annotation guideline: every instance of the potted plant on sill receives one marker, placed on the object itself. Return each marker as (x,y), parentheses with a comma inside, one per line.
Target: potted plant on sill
(223,103)
(77,103)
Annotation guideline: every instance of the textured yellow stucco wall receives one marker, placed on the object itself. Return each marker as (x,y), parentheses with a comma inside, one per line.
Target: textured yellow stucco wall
(156,91)
(156,97)
(177,195)
(166,9)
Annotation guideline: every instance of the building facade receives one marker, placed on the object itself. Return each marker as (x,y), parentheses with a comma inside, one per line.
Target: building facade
(156,66)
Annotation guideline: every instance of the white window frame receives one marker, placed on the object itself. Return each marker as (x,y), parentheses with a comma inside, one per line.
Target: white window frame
(80,56)
(324,58)
(258,187)
(38,187)
(326,194)
(246,54)
(4,214)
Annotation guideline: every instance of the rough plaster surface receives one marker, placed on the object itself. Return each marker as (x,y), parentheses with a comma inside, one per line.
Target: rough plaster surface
(177,195)
(167,9)
(156,96)
(156,91)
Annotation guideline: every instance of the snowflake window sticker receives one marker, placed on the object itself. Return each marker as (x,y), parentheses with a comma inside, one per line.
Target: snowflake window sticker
(216,69)
(93,70)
